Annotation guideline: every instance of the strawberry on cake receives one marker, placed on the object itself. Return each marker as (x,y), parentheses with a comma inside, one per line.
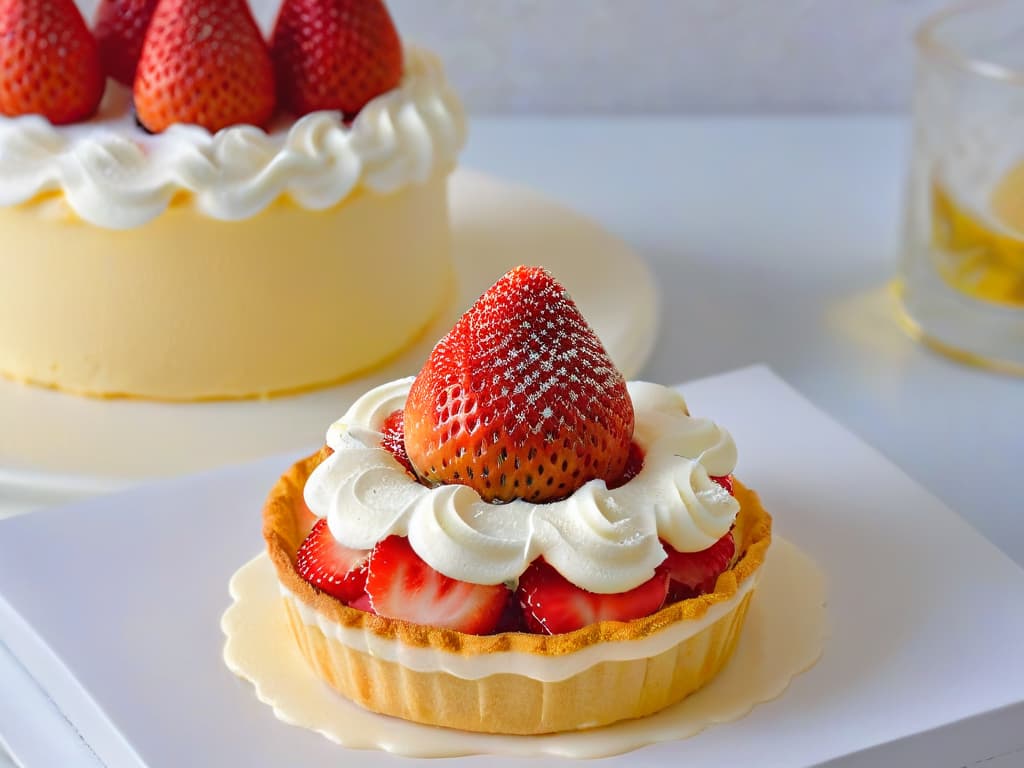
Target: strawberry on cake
(517,540)
(211,211)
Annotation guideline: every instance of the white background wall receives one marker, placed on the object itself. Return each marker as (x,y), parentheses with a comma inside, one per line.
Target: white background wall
(570,56)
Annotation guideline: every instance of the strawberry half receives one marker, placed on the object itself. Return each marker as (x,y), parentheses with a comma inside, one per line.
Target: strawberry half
(203,62)
(511,616)
(393,439)
(331,567)
(552,604)
(402,586)
(725,481)
(520,399)
(334,54)
(120,29)
(694,573)
(49,61)
(362,603)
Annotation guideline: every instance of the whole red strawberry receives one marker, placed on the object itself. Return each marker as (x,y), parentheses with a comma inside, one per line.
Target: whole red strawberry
(203,62)
(120,29)
(49,62)
(334,54)
(634,464)
(520,399)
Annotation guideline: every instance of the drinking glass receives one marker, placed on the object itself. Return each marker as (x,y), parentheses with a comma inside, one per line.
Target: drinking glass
(961,280)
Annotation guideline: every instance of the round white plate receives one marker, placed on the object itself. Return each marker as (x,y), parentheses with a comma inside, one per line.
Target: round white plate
(75,444)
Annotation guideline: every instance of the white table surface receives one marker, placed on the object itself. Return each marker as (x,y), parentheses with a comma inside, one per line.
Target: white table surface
(887,609)
(773,240)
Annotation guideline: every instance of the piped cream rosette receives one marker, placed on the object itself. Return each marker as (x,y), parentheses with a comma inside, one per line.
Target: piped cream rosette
(606,541)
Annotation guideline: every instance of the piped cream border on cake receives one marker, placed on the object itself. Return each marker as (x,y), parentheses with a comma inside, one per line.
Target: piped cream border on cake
(113,175)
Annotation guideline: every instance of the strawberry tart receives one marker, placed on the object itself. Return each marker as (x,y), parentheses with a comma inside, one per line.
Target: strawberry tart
(517,540)
(191,211)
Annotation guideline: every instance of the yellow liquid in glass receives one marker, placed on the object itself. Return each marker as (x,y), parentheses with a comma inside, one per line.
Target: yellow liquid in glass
(983,256)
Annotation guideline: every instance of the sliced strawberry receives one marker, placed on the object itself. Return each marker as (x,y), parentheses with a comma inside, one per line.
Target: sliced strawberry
(725,481)
(694,573)
(634,464)
(512,616)
(393,439)
(402,586)
(552,604)
(362,603)
(331,567)
(334,54)
(520,399)
(203,62)
(49,61)
(120,29)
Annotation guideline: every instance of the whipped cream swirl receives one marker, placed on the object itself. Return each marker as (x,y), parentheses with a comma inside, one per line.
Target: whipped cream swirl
(606,541)
(114,175)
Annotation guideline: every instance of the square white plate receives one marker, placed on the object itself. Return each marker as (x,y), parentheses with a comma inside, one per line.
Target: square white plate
(114,605)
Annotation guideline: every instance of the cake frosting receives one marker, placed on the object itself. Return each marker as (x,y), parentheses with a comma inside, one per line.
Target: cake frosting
(114,175)
(606,541)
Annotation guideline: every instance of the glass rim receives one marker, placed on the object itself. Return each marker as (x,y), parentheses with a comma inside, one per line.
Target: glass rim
(928,43)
